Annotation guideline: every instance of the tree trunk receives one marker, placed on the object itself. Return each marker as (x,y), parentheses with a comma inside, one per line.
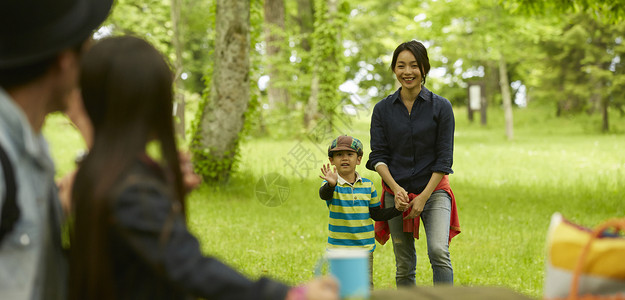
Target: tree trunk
(274,41)
(312,108)
(327,72)
(223,116)
(605,125)
(491,81)
(505,94)
(595,101)
(305,14)
(179,105)
(305,18)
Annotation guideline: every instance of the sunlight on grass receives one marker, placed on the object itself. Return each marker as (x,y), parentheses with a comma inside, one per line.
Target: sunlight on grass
(506,193)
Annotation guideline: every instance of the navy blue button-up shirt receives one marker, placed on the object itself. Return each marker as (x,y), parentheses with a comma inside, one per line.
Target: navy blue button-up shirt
(416,144)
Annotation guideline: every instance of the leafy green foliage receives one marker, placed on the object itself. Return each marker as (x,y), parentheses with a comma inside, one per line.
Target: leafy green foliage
(585,68)
(213,166)
(566,53)
(328,59)
(610,10)
(198,16)
(370,37)
(129,17)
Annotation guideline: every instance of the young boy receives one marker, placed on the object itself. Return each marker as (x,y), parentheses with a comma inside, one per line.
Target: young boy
(351,199)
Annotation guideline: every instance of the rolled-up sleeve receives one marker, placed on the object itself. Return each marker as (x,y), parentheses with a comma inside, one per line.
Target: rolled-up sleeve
(143,212)
(445,137)
(379,144)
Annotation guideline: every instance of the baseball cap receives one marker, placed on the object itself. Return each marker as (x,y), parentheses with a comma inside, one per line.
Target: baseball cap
(347,143)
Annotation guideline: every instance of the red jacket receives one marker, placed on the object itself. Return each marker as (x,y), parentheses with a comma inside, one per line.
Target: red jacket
(382,231)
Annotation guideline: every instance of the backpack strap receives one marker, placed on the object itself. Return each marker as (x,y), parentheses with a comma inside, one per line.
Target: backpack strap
(10,210)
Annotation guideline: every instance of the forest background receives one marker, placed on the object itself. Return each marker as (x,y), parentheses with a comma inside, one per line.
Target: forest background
(263,86)
(278,68)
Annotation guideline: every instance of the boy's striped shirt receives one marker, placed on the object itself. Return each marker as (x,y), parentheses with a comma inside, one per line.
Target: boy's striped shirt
(350,224)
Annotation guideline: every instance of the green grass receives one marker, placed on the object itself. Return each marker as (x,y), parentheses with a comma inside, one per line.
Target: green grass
(506,193)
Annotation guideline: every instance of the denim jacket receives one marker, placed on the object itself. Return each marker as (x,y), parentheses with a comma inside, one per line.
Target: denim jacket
(32,262)
(156,257)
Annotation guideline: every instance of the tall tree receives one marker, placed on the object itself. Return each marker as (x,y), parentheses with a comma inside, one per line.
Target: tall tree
(216,139)
(305,20)
(328,58)
(275,51)
(504,83)
(178,68)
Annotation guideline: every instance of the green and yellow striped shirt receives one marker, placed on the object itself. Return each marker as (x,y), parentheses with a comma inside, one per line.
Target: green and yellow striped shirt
(350,225)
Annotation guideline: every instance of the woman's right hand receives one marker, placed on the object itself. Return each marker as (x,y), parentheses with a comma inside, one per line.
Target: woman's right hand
(401,206)
(401,198)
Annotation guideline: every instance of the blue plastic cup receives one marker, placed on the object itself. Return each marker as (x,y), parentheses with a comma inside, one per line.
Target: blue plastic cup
(351,269)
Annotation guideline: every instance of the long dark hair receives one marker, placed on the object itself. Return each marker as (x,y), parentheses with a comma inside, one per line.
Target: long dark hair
(420,54)
(127,91)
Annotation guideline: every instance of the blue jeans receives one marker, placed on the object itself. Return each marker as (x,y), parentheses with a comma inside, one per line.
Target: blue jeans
(435,217)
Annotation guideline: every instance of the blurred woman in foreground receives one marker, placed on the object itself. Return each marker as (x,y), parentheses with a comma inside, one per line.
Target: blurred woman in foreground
(129,239)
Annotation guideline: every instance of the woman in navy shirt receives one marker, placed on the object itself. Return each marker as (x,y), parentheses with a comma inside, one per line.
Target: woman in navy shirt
(412,137)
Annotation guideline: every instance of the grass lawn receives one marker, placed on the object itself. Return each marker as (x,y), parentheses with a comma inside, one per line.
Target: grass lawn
(506,193)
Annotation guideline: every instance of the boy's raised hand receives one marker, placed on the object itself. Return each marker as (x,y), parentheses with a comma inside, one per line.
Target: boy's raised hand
(329,175)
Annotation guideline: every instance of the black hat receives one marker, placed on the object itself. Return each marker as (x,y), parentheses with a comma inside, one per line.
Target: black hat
(33,30)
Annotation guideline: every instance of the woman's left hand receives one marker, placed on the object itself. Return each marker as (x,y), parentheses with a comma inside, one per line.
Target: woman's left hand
(65,186)
(190,179)
(418,203)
